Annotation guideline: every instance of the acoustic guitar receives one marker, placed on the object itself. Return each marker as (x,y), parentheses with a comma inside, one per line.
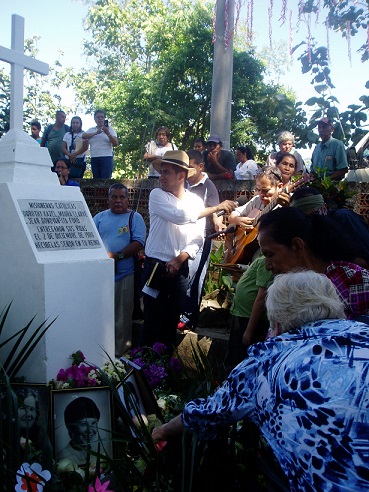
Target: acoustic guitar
(241,245)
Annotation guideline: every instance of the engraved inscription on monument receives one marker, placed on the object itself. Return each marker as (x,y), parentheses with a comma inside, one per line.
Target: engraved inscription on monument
(56,225)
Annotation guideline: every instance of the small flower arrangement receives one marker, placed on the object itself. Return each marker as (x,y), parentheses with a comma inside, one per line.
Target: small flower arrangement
(155,363)
(78,375)
(82,375)
(170,404)
(115,371)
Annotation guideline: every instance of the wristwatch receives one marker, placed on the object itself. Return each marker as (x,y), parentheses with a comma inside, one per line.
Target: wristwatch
(120,256)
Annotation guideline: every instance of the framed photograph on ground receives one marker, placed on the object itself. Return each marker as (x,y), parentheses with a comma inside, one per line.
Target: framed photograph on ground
(82,422)
(140,393)
(33,402)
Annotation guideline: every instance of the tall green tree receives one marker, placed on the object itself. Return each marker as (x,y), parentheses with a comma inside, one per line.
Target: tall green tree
(350,18)
(153,64)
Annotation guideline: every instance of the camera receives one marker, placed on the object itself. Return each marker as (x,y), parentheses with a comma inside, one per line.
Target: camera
(106,122)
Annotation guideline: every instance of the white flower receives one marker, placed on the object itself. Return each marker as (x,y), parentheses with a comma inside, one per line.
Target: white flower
(31,477)
(162,403)
(114,371)
(92,374)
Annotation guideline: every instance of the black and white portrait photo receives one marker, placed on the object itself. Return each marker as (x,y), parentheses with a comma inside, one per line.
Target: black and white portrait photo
(82,424)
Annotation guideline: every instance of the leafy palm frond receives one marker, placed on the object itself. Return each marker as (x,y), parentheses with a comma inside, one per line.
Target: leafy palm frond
(20,350)
(19,354)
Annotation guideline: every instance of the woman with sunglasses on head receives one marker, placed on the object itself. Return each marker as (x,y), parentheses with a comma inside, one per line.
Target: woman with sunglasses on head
(74,148)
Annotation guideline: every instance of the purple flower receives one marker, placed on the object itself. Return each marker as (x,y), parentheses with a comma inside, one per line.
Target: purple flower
(160,348)
(139,362)
(135,351)
(78,376)
(175,364)
(155,374)
(62,375)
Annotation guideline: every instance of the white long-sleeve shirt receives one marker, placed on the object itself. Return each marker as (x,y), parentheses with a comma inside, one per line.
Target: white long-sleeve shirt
(173,225)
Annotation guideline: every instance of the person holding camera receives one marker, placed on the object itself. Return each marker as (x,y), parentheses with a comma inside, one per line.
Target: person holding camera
(102,138)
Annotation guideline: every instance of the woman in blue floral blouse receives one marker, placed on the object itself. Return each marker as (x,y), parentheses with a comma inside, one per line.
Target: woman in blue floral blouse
(306,388)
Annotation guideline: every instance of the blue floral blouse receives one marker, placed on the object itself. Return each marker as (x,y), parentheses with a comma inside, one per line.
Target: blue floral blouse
(308,392)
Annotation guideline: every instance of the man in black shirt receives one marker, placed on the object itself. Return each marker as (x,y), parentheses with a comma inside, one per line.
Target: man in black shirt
(219,163)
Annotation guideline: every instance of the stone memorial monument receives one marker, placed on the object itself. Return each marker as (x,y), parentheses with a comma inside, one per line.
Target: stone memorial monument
(53,263)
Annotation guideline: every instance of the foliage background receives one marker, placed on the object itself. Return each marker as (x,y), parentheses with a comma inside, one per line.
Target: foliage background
(150,64)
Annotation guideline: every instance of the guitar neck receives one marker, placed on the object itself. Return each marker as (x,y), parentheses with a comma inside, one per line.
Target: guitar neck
(265,210)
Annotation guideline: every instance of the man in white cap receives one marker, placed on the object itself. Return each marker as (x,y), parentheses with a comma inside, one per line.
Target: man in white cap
(175,235)
(330,154)
(219,163)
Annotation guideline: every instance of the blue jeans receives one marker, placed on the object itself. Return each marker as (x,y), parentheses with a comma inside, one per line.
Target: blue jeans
(102,167)
(161,315)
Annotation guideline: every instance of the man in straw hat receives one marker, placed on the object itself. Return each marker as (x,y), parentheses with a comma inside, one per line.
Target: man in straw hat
(176,234)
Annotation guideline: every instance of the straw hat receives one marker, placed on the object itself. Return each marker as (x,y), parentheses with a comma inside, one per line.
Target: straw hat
(177,158)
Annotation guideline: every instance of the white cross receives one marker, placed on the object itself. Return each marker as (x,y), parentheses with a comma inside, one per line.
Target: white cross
(19,61)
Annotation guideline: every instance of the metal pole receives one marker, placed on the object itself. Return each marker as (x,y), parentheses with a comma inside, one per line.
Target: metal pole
(221,97)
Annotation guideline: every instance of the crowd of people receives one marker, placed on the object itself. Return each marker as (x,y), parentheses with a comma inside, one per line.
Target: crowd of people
(298,357)
(69,144)
(72,143)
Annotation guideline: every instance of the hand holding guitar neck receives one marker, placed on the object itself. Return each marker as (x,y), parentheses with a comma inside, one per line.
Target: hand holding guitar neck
(283,199)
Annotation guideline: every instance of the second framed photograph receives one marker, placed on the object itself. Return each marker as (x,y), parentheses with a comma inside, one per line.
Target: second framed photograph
(135,393)
(82,423)
(33,402)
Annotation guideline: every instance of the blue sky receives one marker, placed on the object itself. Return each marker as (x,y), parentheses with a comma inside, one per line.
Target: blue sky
(59,25)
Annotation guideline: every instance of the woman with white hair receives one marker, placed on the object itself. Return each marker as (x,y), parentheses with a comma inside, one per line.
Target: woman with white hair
(298,298)
(306,388)
(285,141)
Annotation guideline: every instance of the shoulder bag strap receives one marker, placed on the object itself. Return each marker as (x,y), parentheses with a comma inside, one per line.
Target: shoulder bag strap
(130,223)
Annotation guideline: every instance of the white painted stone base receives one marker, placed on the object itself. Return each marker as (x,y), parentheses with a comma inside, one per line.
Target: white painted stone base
(75,286)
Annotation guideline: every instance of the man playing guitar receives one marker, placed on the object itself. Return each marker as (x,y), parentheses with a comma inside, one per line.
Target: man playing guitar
(271,193)
(269,188)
